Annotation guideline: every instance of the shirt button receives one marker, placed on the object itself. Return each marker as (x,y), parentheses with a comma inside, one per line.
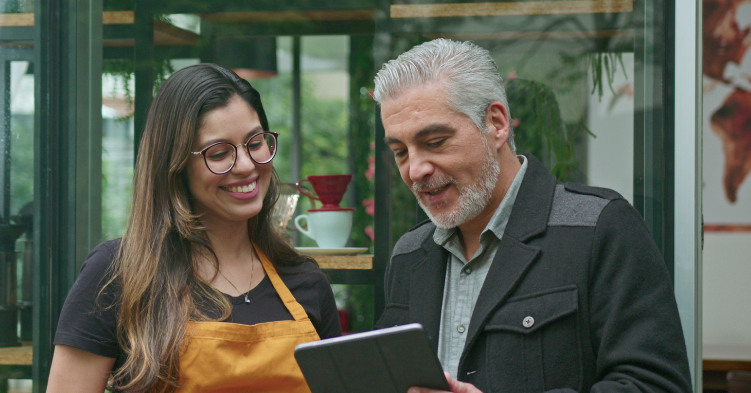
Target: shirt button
(460,329)
(467,270)
(528,322)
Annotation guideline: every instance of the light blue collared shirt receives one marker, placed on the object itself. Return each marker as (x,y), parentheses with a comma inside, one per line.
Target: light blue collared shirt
(464,279)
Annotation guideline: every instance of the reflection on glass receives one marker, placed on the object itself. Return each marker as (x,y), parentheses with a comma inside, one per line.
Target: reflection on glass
(16,195)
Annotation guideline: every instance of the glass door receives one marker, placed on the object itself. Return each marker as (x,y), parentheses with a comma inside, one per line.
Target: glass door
(608,70)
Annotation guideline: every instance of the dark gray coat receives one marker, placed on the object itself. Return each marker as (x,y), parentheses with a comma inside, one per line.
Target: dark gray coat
(580,261)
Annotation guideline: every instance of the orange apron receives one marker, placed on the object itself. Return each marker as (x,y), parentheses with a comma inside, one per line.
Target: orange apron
(230,357)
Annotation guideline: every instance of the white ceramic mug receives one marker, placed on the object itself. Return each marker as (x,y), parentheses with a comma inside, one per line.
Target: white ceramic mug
(330,229)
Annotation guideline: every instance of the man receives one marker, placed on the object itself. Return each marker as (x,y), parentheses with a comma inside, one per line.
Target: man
(523,284)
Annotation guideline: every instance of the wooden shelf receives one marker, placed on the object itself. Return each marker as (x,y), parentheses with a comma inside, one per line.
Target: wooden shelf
(17,356)
(542,35)
(727,228)
(511,8)
(16,20)
(118,17)
(165,34)
(289,16)
(726,365)
(357,262)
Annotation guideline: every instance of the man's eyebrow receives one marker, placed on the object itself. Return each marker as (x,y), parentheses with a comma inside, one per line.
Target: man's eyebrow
(434,129)
(425,132)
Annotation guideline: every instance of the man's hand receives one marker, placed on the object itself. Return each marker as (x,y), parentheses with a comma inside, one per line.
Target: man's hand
(456,387)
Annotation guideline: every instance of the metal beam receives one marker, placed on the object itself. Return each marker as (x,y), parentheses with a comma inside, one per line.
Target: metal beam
(384,162)
(653,127)
(16,33)
(67,139)
(687,81)
(85,123)
(296,148)
(144,68)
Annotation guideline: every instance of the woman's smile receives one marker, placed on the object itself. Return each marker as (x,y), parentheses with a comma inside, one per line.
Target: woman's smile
(242,190)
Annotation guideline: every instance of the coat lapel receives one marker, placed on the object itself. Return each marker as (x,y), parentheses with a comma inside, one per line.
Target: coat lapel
(427,279)
(529,218)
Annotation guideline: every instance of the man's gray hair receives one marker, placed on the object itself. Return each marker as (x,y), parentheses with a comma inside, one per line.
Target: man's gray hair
(468,73)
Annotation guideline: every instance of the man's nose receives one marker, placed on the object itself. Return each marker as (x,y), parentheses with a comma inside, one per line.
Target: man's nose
(420,168)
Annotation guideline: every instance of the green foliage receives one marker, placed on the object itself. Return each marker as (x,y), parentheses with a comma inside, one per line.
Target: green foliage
(539,128)
(276,95)
(595,62)
(22,161)
(324,131)
(118,5)
(16,6)
(123,70)
(117,177)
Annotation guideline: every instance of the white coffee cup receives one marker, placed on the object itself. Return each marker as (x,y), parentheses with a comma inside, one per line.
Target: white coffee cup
(330,229)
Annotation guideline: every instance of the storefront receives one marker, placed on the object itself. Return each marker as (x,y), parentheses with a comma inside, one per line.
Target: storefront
(604,92)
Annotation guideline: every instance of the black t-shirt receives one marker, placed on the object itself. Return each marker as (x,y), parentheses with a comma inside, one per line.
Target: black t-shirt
(92,327)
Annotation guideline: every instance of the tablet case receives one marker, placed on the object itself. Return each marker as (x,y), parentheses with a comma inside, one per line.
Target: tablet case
(380,361)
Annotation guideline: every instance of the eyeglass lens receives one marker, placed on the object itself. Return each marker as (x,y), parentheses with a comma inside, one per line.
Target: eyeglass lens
(221,157)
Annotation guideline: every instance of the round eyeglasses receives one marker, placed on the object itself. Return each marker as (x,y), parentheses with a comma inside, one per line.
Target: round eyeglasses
(221,157)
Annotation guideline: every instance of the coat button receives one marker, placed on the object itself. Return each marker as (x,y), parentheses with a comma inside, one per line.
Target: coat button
(467,270)
(460,329)
(528,322)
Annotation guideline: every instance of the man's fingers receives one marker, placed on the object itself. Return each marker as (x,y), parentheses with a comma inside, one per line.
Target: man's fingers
(462,387)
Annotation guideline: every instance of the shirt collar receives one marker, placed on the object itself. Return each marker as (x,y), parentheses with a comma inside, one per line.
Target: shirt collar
(497,224)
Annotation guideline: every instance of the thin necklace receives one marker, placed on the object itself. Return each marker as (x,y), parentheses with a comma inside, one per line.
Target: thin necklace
(250,287)
(251,281)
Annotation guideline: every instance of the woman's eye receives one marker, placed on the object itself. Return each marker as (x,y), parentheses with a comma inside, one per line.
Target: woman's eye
(217,156)
(400,153)
(255,145)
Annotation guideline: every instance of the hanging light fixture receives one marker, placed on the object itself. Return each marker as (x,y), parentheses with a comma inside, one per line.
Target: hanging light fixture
(248,57)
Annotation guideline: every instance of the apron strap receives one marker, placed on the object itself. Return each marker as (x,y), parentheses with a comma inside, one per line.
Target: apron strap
(294,308)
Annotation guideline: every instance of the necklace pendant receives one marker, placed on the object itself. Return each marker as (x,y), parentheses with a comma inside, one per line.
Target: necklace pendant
(246,298)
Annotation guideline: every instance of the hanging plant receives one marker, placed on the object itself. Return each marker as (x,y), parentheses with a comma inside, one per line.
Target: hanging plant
(124,70)
(541,129)
(608,62)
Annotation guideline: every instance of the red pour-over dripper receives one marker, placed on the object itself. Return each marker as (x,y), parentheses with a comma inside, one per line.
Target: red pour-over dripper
(329,188)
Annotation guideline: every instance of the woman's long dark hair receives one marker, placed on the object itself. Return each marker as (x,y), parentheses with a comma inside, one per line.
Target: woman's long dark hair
(157,264)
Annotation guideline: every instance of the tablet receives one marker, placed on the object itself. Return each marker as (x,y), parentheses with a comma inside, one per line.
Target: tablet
(381,361)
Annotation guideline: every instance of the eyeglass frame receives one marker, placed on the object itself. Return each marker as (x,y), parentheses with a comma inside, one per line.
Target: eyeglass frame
(205,149)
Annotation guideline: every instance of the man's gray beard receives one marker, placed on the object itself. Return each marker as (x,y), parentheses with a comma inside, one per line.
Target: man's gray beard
(473,199)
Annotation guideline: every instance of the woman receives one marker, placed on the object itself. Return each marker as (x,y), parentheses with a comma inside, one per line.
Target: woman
(190,298)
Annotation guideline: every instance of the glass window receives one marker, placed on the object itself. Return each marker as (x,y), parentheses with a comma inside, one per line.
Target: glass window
(17,193)
(584,83)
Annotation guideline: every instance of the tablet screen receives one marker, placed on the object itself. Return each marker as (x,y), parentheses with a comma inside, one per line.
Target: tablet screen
(380,361)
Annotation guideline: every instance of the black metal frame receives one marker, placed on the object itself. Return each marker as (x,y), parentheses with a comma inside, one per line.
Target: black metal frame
(67,163)
(654,124)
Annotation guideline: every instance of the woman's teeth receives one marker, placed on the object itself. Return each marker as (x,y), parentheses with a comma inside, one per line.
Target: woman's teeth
(437,190)
(245,188)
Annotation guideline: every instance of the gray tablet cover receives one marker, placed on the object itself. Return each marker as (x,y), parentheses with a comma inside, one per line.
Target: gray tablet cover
(380,361)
